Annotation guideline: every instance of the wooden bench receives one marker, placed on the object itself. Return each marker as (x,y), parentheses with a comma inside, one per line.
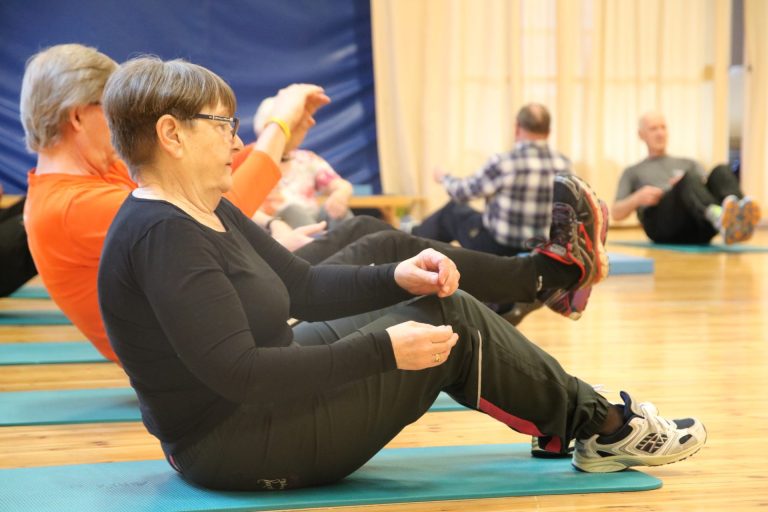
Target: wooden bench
(387,204)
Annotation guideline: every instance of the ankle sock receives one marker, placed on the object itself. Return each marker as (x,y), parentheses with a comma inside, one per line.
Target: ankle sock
(553,274)
(713,214)
(623,431)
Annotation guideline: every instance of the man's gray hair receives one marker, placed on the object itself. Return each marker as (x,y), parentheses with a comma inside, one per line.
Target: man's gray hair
(146,88)
(534,118)
(56,80)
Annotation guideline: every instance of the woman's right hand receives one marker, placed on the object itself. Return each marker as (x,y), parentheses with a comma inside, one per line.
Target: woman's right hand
(418,346)
(297,103)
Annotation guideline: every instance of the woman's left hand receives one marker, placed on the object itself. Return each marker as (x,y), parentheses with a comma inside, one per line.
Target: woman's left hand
(427,273)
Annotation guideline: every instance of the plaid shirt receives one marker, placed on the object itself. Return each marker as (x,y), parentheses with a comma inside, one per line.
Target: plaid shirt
(517,187)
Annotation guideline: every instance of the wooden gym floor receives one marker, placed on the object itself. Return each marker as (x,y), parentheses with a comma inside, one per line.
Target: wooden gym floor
(692,338)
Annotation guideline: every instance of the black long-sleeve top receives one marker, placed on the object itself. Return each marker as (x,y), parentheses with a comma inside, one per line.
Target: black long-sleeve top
(198,318)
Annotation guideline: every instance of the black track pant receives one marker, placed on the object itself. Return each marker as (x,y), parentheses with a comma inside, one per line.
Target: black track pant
(464,224)
(16,265)
(285,443)
(680,216)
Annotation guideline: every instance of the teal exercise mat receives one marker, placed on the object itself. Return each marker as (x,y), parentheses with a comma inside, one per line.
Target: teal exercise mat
(52,352)
(399,475)
(622,264)
(445,403)
(694,249)
(30,292)
(69,406)
(33,318)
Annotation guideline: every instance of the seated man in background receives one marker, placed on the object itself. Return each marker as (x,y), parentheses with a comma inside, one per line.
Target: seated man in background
(517,188)
(305,175)
(16,265)
(80,182)
(674,199)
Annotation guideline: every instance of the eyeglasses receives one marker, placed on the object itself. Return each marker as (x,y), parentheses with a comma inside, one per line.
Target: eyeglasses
(234,122)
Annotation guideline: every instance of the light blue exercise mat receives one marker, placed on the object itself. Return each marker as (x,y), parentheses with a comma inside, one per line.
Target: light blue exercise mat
(33,318)
(622,264)
(64,406)
(30,292)
(402,475)
(694,249)
(53,352)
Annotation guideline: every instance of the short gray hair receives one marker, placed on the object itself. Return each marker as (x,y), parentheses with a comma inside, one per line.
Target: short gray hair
(56,80)
(145,89)
(534,118)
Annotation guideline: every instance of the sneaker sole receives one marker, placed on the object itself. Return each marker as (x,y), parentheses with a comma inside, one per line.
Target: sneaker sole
(601,228)
(739,221)
(621,462)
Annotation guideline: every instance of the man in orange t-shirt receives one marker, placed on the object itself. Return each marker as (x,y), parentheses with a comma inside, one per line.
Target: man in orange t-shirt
(80,183)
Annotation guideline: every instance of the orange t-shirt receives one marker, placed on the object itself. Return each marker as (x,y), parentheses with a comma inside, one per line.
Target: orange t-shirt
(67,218)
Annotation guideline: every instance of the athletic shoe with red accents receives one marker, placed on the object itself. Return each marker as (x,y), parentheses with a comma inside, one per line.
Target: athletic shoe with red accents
(577,236)
(572,302)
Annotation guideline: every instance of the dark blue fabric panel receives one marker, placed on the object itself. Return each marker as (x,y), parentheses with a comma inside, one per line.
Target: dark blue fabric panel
(257,46)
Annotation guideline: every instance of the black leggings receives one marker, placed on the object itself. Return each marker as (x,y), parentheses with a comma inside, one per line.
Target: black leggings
(346,233)
(286,443)
(680,216)
(487,277)
(16,265)
(490,278)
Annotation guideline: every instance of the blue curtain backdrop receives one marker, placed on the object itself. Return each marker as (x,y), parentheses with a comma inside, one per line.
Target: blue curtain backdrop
(257,46)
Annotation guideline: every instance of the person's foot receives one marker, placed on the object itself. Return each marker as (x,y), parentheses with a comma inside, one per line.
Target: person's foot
(738,219)
(572,302)
(540,452)
(645,439)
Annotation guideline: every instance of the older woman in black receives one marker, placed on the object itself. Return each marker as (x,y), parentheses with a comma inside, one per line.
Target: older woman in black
(196,301)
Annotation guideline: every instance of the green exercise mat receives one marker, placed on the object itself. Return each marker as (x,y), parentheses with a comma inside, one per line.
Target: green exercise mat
(33,318)
(30,292)
(623,264)
(694,248)
(108,405)
(402,475)
(52,352)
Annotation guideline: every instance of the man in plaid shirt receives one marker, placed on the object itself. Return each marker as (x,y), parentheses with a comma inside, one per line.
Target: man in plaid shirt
(517,187)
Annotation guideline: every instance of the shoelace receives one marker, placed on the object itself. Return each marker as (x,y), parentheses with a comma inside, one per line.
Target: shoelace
(563,224)
(561,230)
(658,423)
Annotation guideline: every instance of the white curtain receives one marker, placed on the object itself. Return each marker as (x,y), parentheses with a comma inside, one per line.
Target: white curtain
(754,153)
(451,75)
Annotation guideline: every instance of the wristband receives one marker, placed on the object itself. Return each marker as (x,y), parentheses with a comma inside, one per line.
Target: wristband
(283,126)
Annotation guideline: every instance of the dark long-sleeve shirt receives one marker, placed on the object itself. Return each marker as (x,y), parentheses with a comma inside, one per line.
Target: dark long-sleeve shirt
(199,317)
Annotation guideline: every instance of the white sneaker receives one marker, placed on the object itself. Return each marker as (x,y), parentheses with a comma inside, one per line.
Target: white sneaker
(646,439)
